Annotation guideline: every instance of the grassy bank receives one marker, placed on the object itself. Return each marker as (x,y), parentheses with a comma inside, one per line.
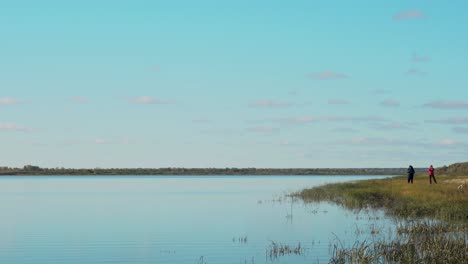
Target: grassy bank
(443,201)
(416,241)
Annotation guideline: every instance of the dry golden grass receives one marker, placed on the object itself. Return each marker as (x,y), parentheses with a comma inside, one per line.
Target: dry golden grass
(442,201)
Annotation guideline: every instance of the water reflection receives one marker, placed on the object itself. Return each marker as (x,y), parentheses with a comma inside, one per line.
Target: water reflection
(226,219)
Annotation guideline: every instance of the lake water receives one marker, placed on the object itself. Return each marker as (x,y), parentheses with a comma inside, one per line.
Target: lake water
(177,219)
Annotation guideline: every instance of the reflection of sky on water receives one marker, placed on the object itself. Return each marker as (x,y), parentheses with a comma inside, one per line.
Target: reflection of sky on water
(164,219)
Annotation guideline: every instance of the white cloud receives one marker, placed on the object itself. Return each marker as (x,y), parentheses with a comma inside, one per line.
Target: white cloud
(370,141)
(419,59)
(263,129)
(379,91)
(410,14)
(8,101)
(299,120)
(102,141)
(448,104)
(415,72)
(122,141)
(461,130)
(337,102)
(450,143)
(270,104)
(356,119)
(13,127)
(79,99)
(376,141)
(202,121)
(147,100)
(221,131)
(390,103)
(344,130)
(447,142)
(450,121)
(328,75)
(393,126)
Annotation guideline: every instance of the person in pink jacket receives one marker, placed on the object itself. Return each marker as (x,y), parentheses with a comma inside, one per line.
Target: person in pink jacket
(430,171)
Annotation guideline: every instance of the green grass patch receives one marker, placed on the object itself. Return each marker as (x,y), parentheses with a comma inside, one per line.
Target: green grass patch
(443,201)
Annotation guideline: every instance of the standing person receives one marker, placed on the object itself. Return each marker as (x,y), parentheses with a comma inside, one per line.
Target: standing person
(410,174)
(431,173)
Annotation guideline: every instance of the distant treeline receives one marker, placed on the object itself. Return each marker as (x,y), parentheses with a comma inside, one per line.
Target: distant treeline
(35,170)
(455,169)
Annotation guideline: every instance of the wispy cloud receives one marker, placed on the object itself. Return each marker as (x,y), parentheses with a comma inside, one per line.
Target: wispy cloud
(379,91)
(344,130)
(390,103)
(410,14)
(102,141)
(298,120)
(419,59)
(337,102)
(221,131)
(448,104)
(13,127)
(460,130)
(328,75)
(376,141)
(270,104)
(202,121)
(8,101)
(415,72)
(370,141)
(263,129)
(448,142)
(147,100)
(354,119)
(293,92)
(450,121)
(392,126)
(79,99)
(106,141)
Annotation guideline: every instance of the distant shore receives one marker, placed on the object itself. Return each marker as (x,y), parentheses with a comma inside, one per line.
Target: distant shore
(34,170)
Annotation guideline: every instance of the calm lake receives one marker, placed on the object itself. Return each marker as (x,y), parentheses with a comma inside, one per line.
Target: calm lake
(176,219)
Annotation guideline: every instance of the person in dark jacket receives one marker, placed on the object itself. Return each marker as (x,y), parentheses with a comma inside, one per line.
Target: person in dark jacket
(431,173)
(410,174)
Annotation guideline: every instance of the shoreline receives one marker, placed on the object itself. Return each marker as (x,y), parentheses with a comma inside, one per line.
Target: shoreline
(447,200)
(196,175)
(417,238)
(202,171)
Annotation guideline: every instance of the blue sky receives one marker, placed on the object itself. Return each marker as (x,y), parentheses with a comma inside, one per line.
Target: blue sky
(233,83)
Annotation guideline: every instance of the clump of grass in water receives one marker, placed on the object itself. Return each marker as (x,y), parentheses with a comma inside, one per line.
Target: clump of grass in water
(431,249)
(201,260)
(420,242)
(427,227)
(277,250)
(252,261)
(360,252)
(241,240)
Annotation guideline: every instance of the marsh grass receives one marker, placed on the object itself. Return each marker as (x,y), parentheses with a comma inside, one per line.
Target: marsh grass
(427,227)
(277,250)
(240,240)
(419,242)
(442,239)
(360,252)
(201,260)
(441,201)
